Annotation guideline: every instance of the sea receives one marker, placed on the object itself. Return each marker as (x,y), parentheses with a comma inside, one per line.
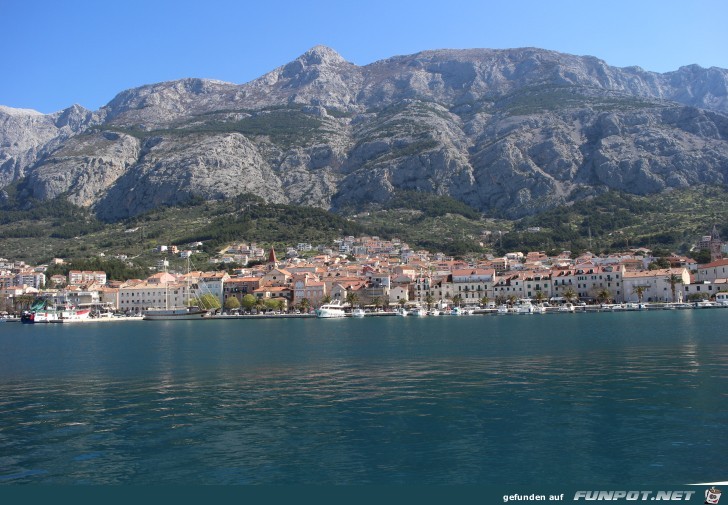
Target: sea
(613,399)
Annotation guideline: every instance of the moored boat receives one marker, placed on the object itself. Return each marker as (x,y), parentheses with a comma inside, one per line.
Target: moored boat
(191,312)
(330,310)
(567,307)
(358,313)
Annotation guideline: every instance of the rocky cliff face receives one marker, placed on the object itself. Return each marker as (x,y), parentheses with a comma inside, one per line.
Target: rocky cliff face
(515,131)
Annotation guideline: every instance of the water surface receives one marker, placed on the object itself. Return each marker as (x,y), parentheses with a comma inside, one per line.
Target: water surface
(608,398)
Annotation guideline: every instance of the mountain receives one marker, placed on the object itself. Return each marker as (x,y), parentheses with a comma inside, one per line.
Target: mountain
(512,132)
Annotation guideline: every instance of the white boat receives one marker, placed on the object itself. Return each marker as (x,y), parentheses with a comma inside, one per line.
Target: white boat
(722,298)
(502,309)
(330,310)
(705,304)
(402,312)
(524,306)
(418,311)
(567,307)
(456,311)
(358,313)
(433,312)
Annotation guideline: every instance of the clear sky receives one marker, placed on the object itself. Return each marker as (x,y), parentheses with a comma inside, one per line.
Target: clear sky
(59,52)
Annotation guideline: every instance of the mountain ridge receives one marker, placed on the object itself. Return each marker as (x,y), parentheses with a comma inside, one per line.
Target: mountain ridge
(511,131)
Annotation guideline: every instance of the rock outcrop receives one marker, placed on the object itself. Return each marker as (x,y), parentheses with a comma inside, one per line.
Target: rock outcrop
(513,131)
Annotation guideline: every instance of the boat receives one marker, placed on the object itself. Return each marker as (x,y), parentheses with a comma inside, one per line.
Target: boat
(502,309)
(192,312)
(433,312)
(567,307)
(524,306)
(330,310)
(418,311)
(705,304)
(42,311)
(456,311)
(402,311)
(722,298)
(358,313)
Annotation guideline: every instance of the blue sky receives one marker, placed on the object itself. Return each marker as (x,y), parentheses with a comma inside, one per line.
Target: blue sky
(57,53)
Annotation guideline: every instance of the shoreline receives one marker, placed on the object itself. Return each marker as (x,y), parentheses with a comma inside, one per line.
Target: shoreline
(490,311)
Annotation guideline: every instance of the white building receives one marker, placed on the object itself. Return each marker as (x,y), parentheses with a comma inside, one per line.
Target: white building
(656,285)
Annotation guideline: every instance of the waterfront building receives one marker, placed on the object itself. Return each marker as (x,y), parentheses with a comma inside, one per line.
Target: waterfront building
(138,297)
(240,286)
(656,285)
(472,284)
(308,286)
(587,280)
(712,271)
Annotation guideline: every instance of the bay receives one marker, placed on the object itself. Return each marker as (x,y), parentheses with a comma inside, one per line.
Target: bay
(607,398)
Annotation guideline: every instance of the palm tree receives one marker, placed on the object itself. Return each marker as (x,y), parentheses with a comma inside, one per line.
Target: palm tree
(351,298)
(484,301)
(457,300)
(674,280)
(512,299)
(377,302)
(570,294)
(639,291)
(540,296)
(326,299)
(603,295)
(429,300)
(305,305)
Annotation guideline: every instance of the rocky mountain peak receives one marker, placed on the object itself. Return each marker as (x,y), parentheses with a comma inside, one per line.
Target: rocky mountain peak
(513,131)
(321,55)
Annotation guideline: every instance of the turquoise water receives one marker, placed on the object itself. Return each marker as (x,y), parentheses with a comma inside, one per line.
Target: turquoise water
(608,398)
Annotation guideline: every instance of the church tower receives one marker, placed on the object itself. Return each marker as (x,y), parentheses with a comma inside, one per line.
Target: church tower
(272,260)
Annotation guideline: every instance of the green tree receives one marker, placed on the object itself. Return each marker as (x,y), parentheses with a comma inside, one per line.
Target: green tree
(674,280)
(484,301)
(604,296)
(207,301)
(377,302)
(271,304)
(351,298)
(429,300)
(232,303)
(305,305)
(23,302)
(457,300)
(570,295)
(639,291)
(249,301)
(540,296)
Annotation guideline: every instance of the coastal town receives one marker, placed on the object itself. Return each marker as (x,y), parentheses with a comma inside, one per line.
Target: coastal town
(375,275)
